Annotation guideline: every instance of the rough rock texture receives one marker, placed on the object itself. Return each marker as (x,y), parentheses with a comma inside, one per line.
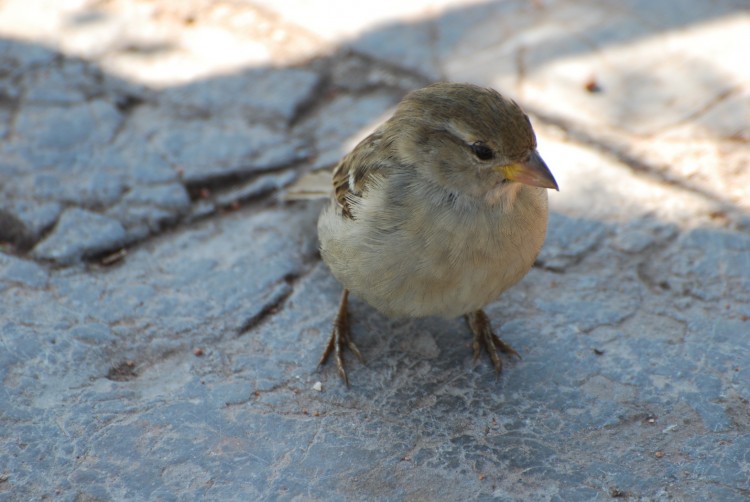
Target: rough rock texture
(162,310)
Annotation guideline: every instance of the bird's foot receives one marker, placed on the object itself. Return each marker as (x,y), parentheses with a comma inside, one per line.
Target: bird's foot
(485,338)
(340,339)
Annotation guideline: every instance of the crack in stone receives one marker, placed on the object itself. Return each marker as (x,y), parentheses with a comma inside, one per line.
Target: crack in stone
(272,307)
(122,372)
(126,103)
(328,86)
(400,71)
(197,189)
(702,110)
(14,232)
(317,95)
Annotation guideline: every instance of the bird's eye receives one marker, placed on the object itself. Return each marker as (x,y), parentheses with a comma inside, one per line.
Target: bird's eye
(482,151)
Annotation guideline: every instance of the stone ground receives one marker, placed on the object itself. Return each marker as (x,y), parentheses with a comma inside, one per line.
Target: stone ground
(162,309)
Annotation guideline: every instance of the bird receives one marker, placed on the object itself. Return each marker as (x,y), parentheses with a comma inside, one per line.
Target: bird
(436,213)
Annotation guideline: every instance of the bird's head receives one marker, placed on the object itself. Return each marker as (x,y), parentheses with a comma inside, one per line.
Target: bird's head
(469,139)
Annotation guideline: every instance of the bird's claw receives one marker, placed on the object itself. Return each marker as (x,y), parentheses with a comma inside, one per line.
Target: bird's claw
(340,340)
(485,338)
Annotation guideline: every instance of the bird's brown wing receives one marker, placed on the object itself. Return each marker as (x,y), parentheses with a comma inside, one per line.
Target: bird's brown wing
(353,173)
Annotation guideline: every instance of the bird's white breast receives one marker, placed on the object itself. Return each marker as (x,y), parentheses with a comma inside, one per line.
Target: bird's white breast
(409,251)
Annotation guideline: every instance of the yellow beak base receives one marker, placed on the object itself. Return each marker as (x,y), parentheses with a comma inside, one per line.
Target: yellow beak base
(532,172)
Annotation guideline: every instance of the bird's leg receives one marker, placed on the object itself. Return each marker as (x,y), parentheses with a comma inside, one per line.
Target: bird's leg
(340,339)
(479,324)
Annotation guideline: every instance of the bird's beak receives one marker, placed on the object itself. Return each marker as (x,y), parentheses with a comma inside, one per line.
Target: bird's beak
(533,171)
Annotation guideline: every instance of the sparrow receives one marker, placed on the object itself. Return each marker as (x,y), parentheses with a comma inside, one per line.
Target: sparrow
(436,213)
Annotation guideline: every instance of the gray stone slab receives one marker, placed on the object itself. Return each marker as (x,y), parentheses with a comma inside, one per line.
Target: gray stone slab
(403,44)
(569,240)
(79,234)
(708,264)
(68,83)
(278,92)
(258,187)
(15,270)
(205,147)
(355,73)
(355,118)
(105,319)
(17,57)
(137,166)
(171,196)
(637,236)
(59,128)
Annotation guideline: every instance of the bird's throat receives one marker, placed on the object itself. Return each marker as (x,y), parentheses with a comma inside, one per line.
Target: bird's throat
(503,195)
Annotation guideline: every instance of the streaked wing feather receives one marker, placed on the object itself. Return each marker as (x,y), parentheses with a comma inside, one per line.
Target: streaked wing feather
(351,175)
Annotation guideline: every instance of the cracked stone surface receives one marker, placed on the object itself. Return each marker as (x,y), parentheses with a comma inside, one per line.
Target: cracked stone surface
(163,309)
